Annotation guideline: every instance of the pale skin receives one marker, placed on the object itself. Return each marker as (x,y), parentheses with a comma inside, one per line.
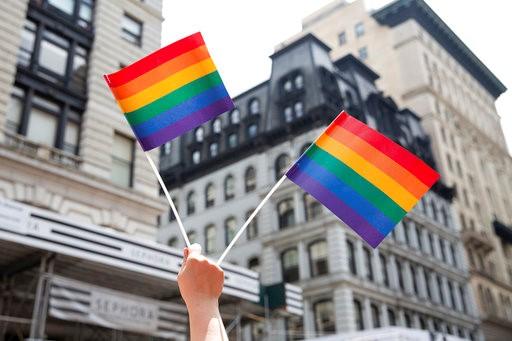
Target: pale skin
(201,282)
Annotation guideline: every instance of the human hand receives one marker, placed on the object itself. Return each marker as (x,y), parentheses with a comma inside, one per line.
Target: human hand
(200,281)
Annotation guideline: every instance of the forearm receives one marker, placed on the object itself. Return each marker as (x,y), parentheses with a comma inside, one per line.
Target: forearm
(206,322)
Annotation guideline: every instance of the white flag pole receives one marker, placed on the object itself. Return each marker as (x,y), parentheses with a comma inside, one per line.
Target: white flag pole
(169,199)
(248,221)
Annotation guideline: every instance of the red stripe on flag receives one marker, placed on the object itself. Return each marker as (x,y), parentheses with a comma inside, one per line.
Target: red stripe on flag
(154,59)
(393,150)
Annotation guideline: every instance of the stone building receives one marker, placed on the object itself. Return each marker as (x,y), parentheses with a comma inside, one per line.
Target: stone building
(424,66)
(64,144)
(218,173)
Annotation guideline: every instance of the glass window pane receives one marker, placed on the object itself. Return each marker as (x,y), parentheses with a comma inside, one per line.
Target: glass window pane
(66,6)
(42,127)
(53,57)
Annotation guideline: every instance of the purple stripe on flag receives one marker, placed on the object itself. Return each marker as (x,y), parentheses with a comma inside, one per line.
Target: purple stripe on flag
(336,206)
(189,122)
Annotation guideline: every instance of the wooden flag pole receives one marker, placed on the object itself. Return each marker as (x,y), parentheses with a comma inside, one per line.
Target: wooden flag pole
(169,199)
(248,221)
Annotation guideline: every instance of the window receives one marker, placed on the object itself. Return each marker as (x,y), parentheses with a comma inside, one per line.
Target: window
(318,258)
(171,214)
(299,109)
(254,106)
(27,43)
(53,53)
(375,315)
(290,265)
(196,157)
(288,114)
(384,269)
(122,159)
(199,134)
(250,179)
(131,29)
(286,214)
(391,317)
(232,140)
(313,209)
(209,195)
(363,53)
(342,38)
(252,229)
(254,264)
(229,230)
(324,317)
(368,263)
(216,126)
(299,81)
(192,236)
(359,29)
(282,163)
(210,238)
(229,187)
(234,116)
(191,202)
(66,6)
(252,130)
(214,149)
(358,309)
(351,258)
(14,110)
(172,242)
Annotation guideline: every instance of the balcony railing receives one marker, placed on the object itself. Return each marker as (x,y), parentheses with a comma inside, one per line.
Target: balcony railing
(22,145)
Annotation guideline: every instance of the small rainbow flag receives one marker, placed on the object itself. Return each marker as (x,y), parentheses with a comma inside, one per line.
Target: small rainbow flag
(361,176)
(170,91)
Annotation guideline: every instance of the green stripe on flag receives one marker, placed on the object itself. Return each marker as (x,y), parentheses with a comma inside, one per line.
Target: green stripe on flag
(173,98)
(362,186)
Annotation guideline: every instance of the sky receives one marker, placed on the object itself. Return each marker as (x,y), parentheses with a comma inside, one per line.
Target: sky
(241,34)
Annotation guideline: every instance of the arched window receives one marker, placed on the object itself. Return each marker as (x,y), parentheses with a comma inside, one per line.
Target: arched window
(234,116)
(172,242)
(254,106)
(282,163)
(199,134)
(351,258)
(299,81)
(229,187)
(254,264)
(250,179)
(252,229)
(214,149)
(375,315)
(290,265)
(229,230)
(324,317)
(286,213)
(191,203)
(196,157)
(312,208)
(210,238)
(358,312)
(217,126)
(318,258)
(209,195)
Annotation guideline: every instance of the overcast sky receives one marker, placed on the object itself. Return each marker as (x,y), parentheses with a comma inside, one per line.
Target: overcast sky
(242,34)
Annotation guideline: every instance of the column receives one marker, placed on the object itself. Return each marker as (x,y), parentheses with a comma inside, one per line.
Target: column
(344,310)
(304,270)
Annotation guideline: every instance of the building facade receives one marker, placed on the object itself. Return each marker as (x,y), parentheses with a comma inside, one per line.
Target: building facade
(218,173)
(426,67)
(64,144)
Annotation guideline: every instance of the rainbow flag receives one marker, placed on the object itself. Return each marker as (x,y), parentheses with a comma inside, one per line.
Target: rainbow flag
(361,176)
(170,91)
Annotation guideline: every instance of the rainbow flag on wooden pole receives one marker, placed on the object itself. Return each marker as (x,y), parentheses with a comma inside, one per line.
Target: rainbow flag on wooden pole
(364,178)
(168,93)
